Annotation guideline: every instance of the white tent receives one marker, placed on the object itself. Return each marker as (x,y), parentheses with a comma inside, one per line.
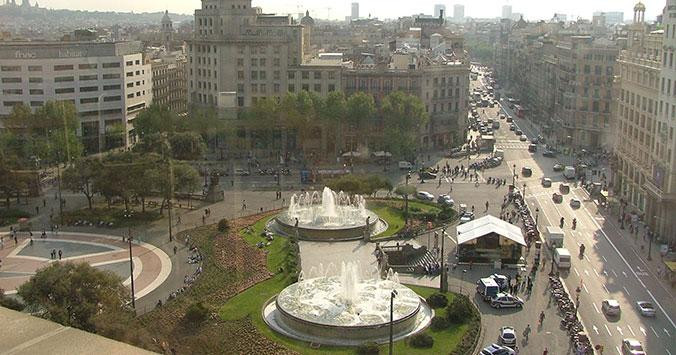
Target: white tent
(487,225)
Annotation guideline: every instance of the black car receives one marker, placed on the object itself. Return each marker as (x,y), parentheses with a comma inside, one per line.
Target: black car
(428,175)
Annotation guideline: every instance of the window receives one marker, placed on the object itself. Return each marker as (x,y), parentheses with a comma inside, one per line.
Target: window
(111,76)
(10,68)
(11,80)
(89,88)
(64,91)
(34,68)
(138,72)
(129,62)
(12,92)
(318,75)
(138,62)
(87,66)
(36,92)
(318,87)
(37,103)
(240,62)
(276,75)
(89,100)
(12,103)
(332,87)
(254,75)
(276,88)
(64,79)
(89,77)
(263,75)
(111,87)
(130,73)
(240,75)
(332,75)
(111,65)
(292,75)
(263,62)
(130,96)
(254,62)
(136,107)
(34,80)
(305,87)
(112,98)
(275,62)
(63,67)
(130,85)
(292,88)
(305,75)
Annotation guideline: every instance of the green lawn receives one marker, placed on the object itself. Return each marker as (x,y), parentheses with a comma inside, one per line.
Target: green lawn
(392,212)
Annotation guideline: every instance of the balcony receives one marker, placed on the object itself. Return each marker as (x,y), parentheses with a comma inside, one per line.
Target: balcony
(656,191)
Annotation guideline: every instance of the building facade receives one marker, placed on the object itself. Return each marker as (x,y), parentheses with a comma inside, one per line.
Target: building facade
(170,87)
(109,84)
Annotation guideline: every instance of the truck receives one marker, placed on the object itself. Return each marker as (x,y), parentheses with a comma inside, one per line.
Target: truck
(487,288)
(554,237)
(569,172)
(562,258)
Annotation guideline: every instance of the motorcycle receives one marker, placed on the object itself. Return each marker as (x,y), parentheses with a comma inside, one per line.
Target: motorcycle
(582,248)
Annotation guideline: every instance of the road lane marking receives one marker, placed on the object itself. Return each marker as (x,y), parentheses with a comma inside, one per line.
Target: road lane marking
(596,272)
(625,290)
(653,329)
(631,330)
(604,258)
(605,272)
(596,309)
(643,331)
(666,331)
(624,273)
(605,288)
(618,349)
(585,287)
(586,272)
(614,273)
(620,330)
(576,273)
(595,329)
(608,330)
(586,257)
(667,350)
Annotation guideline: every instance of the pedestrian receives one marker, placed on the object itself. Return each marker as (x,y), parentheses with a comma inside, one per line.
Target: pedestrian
(243,205)
(175,249)
(37,210)
(204,219)
(31,242)
(60,254)
(44,203)
(486,206)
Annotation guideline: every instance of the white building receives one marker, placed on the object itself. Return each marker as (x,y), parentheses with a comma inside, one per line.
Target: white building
(109,83)
(355,11)
(458,13)
(507,11)
(611,17)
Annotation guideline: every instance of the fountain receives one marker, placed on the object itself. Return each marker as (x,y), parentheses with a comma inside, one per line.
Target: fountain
(329,217)
(346,309)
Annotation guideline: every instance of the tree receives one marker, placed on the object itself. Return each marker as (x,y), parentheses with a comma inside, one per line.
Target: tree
(403,115)
(80,177)
(459,310)
(187,146)
(155,119)
(76,295)
(361,109)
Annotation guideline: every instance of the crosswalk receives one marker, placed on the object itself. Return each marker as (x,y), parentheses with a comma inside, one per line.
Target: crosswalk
(511,144)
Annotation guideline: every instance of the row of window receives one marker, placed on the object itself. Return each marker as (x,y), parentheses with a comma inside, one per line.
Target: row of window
(60,90)
(61,67)
(60,79)
(256,62)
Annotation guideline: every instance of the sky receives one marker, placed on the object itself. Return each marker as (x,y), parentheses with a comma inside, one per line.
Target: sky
(532,9)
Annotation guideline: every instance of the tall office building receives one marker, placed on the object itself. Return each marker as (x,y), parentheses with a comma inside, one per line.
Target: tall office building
(109,84)
(458,13)
(355,11)
(438,9)
(611,17)
(507,11)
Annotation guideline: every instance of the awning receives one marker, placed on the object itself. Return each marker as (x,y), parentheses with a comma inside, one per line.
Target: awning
(671,265)
(487,225)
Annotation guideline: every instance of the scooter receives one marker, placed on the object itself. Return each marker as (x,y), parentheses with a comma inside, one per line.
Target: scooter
(582,248)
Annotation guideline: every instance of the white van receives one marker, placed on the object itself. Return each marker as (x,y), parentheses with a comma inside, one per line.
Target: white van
(562,258)
(404,165)
(499,153)
(569,172)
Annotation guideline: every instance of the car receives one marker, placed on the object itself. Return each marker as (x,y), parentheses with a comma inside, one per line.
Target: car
(509,119)
(564,188)
(501,280)
(242,172)
(557,197)
(575,203)
(523,138)
(518,132)
(526,171)
(508,336)
(558,167)
(502,117)
(646,308)
(506,300)
(548,154)
(495,349)
(424,195)
(428,175)
(535,140)
(512,127)
(610,307)
(532,148)
(466,217)
(546,182)
(632,347)
(445,200)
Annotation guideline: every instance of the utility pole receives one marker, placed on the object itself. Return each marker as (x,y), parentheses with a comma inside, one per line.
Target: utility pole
(443,286)
(131,271)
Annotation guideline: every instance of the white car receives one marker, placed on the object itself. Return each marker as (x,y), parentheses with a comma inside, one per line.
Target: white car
(646,308)
(507,336)
(610,307)
(505,300)
(495,349)
(632,347)
(575,203)
(445,200)
(425,196)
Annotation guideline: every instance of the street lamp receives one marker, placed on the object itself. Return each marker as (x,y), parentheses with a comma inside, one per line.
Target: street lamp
(393,294)
(537,214)
(524,190)
(514,176)
(443,287)
(650,239)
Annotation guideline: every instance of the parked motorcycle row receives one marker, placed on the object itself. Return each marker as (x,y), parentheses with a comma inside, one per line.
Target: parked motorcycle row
(486,163)
(570,321)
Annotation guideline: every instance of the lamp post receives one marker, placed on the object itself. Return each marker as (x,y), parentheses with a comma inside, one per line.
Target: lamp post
(537,214)
(443,286)
(524,190)
(514,175)
(650,239)
(393,294)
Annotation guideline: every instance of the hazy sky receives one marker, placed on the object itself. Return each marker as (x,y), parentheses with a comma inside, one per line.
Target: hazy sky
(533,9)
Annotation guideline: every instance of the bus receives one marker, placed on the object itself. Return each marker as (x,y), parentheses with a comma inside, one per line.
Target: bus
(520,112)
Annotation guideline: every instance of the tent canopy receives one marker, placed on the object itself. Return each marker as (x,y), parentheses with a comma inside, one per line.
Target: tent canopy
(487,225)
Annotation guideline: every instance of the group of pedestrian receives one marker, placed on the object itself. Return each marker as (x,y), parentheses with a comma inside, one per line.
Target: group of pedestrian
(278,195)
(54,253)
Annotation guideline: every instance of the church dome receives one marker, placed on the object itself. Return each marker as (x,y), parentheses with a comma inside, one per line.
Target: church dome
(307,20)
(639,7)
